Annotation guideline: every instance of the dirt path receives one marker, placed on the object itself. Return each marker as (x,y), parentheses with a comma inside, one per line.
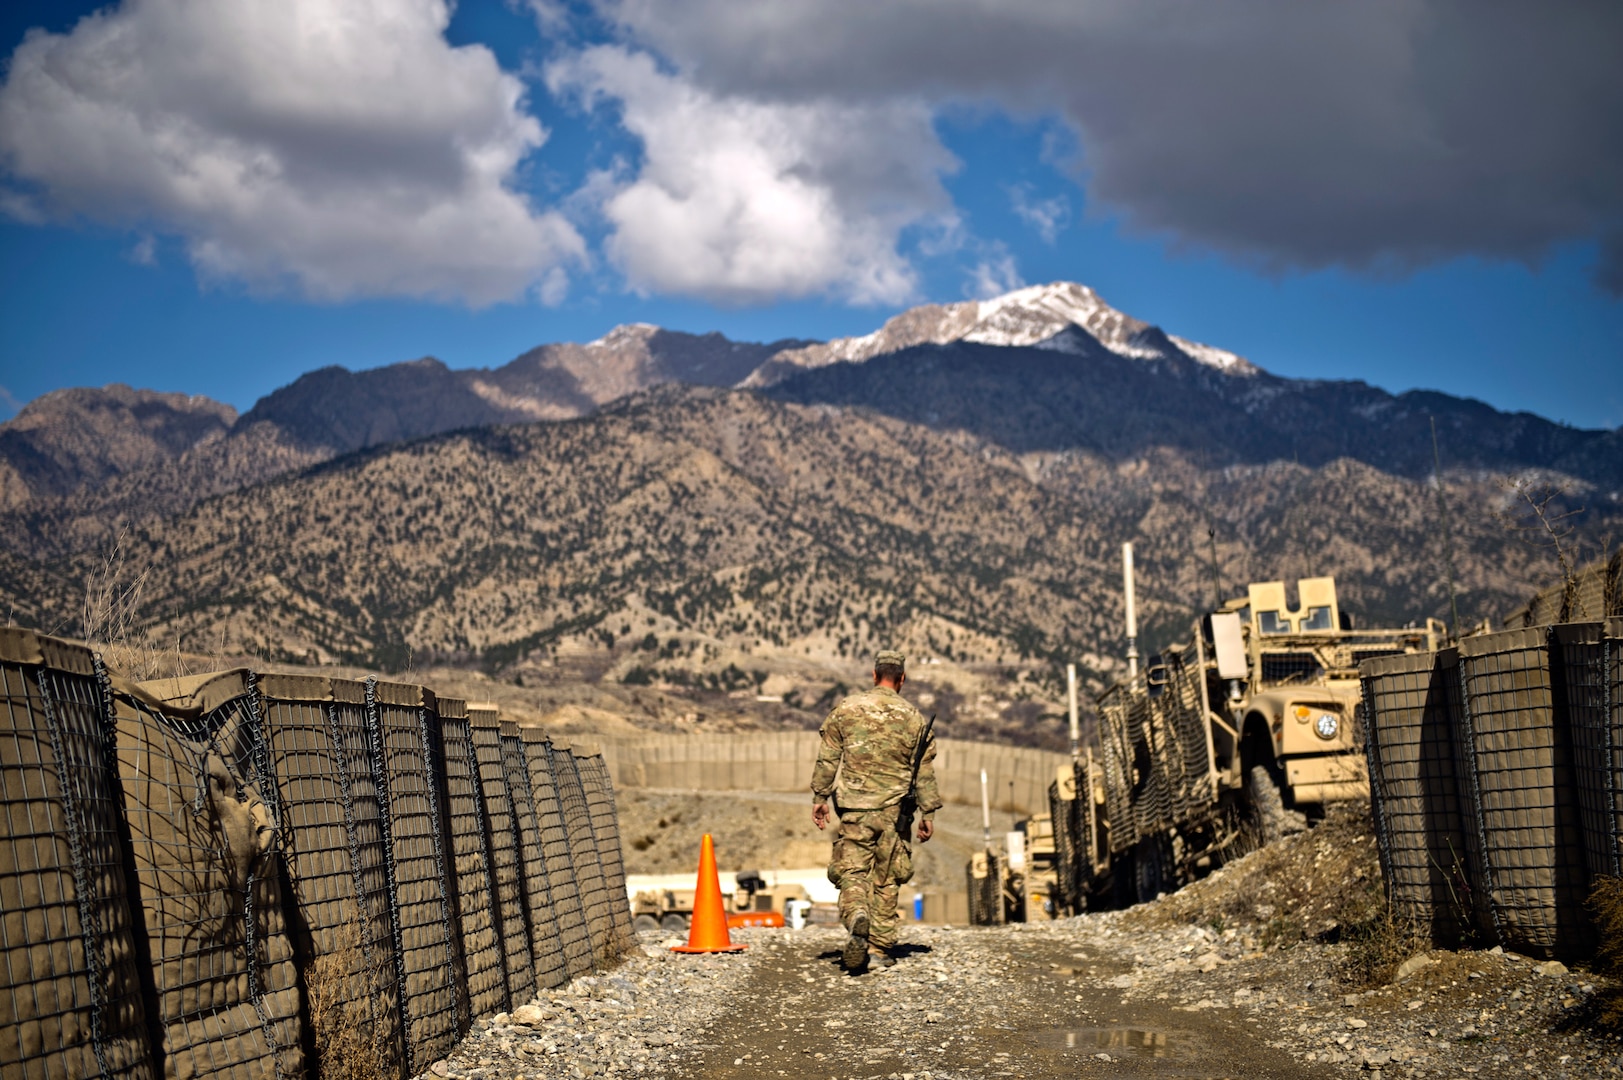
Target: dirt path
(1246,973)
(1026,1002)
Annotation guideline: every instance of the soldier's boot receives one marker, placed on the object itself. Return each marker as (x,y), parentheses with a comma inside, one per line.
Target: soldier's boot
(878,954)
(855,955)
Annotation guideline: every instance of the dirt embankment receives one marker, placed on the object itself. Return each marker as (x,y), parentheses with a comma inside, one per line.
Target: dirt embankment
(1299,930)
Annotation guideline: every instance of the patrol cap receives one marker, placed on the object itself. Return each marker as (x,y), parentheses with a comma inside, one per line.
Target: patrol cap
(889,656)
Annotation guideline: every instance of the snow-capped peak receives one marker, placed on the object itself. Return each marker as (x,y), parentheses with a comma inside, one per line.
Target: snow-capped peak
(1040,315)
(1035,314)
(623,333)
(1221,359)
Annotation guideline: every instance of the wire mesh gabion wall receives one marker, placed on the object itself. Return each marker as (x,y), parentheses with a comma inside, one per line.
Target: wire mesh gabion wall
(72,1004)
(475,886)
(514,924)
(405,749)
(192,864)
(546,950)
(1523,793)
(205,828)
(594,894)
(574,938)
(1512,833)
(1585,658)
(333,850)
(599,790)
(1414,782)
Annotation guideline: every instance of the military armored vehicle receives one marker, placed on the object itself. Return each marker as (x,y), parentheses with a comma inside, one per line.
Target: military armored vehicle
(1020,882)
(1245,728)
(672,909)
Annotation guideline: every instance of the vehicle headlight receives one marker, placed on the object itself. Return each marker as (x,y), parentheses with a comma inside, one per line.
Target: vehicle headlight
(1327,725)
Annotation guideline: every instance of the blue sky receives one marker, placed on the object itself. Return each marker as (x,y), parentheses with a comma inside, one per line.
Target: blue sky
(767,181)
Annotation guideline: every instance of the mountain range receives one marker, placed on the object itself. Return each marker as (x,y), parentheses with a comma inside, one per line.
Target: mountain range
(686,511)
(1049,367)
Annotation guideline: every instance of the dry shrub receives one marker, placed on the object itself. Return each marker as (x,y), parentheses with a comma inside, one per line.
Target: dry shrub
(343,998)
(110,619)
(1376,947)
(1606,906)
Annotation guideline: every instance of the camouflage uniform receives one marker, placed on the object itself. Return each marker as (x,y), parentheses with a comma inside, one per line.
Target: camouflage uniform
(870,739)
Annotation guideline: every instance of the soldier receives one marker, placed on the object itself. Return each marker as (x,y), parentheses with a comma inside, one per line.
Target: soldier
(884,752)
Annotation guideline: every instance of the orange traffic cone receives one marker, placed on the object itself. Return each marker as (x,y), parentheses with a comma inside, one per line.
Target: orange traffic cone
(708,930)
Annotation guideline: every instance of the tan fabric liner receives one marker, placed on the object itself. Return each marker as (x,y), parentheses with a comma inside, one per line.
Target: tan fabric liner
(193,695)
(392,693)
(347,690)
(295,688)
(19,646)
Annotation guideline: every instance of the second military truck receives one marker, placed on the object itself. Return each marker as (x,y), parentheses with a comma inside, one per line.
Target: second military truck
(1245,728)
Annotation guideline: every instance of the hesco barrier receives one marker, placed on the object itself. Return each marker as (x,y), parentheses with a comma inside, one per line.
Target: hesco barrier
(404,744)
(333,847)
(594,778)
(189,863)
(1433,873)
(546,951)
(1520,768)
(369,844)
(1594,594)
(72,1004)
(514,932)
(573,937)
(205,827)
(782,761)
(1531,719)
(594,895)
(1590,685)
(482,957)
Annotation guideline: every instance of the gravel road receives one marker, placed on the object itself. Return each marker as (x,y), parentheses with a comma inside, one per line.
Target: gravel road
(1090,996)
(1241,974)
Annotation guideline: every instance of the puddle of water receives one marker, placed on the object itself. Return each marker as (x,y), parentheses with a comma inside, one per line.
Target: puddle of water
(1137,1041)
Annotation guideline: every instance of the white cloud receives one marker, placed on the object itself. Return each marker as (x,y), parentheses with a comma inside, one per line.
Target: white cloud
(144,252)
(994,275)
(340,149)
(1049,217)
(1385,133)
(552,17)
(741,200)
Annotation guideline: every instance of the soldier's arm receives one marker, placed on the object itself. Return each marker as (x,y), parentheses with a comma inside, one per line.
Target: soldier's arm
(828,759)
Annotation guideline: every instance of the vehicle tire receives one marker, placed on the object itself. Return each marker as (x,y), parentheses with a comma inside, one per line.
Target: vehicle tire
(1268,811)
(676,924)
(645,922)
(1151,875)
(1123,880)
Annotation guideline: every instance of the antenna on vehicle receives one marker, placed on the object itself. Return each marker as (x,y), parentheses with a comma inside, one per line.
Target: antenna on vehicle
(1076,727)
(986,815)
(1132,614)
(1448,534)
(1217,582)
